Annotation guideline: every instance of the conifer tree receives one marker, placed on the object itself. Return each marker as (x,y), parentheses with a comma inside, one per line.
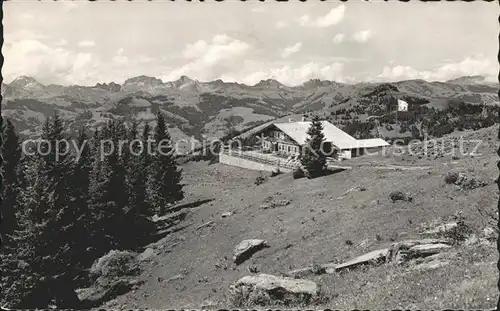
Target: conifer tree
(36,215)
(11,153)
(166,179)
(1,178)
(46,226)
(313,158)
(78,201)
(98,196)
(139,172)
(107,193)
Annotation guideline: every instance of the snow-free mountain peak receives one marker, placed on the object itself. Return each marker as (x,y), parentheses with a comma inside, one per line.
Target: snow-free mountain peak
(269,83)
(315,83)
(477,79)
(144,80)
(26,83)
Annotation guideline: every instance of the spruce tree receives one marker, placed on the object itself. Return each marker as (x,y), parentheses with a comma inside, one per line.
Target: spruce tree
(1,200)
(44,235)
(79,181)
(313,158)
(139,173)
(36,220)
(107,193)
(11,153)
(99,204)
(166,183)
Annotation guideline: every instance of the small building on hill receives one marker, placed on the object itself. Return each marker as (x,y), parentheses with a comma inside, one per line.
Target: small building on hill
(289,138)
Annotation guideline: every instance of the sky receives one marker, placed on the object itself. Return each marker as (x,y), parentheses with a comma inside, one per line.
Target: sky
(79,42)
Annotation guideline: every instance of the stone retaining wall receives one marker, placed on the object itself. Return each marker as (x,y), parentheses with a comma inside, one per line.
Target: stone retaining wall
(248,164)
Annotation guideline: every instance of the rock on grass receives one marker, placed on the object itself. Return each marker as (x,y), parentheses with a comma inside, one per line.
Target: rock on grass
(265,289)
(113,275)
(247,248)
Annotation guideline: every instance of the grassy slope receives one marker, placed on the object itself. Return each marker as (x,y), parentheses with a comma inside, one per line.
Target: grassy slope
(314,228)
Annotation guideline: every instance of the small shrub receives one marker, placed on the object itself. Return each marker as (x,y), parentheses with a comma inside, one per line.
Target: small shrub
(317,269)
(461,232)
(400,196)
(298,173)
(348,242)
(276,172)
(115,264)
(451,178)
(260,180)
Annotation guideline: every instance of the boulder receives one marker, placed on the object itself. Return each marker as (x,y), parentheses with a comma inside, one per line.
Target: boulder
(374,257)
(274,204)
(113,275)
(265,289)
(410,243)
(435,264)
(442,228)
(398,251)
(247,248)
(424,250)
(148,253)
(432,262)
(97,294)
(303,272)
(300,273)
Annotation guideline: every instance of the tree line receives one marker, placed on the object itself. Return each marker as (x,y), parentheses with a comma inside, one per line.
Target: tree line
(62,211)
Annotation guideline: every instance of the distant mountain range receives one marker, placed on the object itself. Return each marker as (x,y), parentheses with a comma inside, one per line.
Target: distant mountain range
(206,109)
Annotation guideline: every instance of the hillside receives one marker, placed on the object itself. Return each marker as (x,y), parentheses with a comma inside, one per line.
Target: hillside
(211,109)
(324,223)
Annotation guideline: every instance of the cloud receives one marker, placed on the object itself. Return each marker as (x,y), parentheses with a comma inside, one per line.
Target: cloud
(259,9)
(221,46)
(27,17)
(290,75)
(470,66)
(289,50)
(48,64)
(338,38)
(119,57)
(207,59)
(70,5)
(281,24)
(304,20)
(86,43)
(335,16)
(362,36)
(24,34)
(60,42)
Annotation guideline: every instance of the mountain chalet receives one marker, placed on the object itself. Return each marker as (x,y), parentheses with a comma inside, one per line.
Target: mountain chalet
(280,144)
(288,138)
